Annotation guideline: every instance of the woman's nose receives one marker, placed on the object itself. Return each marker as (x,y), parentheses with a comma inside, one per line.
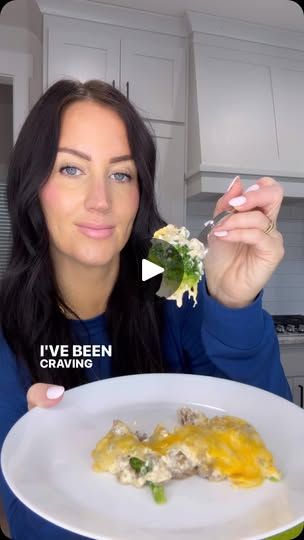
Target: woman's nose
(98,196)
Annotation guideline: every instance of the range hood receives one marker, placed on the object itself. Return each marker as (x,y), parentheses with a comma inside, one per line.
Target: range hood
(241,109)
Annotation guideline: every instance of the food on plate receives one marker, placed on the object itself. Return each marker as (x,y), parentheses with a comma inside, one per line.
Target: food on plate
(217,448)
(192,253)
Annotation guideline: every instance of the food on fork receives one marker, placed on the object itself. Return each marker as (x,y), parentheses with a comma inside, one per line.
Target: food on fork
(216,449)
(192,253)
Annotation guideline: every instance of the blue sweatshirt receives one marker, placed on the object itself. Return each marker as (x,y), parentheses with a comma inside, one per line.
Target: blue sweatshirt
(210,339)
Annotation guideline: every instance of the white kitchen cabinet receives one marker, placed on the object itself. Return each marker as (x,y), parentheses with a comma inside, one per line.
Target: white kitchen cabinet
(290,382)
(151,74)
(154,79)
(170,185)
(288,91)
(236,112)
(292,358)
(298,391)
(246,114)
(75,52)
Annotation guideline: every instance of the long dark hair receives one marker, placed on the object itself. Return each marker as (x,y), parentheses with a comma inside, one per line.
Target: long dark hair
(29,296)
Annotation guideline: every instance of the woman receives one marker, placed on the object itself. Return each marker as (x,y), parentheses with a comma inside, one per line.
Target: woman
(84,160)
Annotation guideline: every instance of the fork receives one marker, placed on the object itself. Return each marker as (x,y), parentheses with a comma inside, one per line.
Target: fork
(208,225)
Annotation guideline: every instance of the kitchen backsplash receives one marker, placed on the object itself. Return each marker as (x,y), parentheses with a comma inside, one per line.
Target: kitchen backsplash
(284,293)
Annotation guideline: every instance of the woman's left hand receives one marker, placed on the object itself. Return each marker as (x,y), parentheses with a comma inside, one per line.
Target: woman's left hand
(241,261)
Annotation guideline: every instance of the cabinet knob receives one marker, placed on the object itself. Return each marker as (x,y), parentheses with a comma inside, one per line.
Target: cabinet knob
(127,85)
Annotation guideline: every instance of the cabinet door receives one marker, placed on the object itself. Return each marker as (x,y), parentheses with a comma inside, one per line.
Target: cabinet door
(298,391)
(288,90)
(170,183)
(290,382)
(154,77)
(235,106)
(78,50)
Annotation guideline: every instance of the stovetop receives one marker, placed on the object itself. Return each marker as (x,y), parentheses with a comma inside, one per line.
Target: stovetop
(289,324)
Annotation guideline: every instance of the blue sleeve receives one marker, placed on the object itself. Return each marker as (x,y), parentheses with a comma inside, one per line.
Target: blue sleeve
(237,344)
(24,524)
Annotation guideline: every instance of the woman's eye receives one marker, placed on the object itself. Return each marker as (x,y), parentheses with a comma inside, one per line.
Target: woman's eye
(70,170)
(123,177)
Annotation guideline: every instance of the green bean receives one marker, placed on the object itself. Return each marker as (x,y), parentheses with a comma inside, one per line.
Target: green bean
(158,492)
(142,468)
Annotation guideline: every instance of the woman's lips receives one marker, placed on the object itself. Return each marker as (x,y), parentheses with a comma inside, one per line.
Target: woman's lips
(95,231)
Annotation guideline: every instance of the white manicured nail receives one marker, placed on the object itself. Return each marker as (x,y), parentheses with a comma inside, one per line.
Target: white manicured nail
(237,201)
(230,185)
(254,187)
(220,233)
(54,392)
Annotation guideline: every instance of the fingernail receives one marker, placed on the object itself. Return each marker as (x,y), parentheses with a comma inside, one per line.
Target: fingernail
(54,392)
(237,201)
(230,185)
(220,233)
(254,187)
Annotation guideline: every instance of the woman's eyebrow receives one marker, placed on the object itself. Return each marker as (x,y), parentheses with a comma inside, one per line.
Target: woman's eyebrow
(115,159)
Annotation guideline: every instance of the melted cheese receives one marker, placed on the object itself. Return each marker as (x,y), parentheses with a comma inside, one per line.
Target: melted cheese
(112,447)
(178,295)
(227,444)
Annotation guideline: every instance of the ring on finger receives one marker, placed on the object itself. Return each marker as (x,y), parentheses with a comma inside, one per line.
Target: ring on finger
(270,227)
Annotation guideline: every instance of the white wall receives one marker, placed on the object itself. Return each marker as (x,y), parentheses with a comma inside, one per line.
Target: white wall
(21,31)
(284,293)
(23,14)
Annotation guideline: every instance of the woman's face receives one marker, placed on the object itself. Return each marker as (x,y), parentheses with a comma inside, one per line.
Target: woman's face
(91,198)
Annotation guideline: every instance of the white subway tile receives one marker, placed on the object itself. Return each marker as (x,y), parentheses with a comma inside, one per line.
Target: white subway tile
(284,293)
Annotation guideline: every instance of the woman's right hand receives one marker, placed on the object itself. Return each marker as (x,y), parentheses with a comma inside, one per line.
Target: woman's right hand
(44,395)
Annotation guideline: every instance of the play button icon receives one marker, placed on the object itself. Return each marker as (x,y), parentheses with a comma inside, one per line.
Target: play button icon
(150,269)
(164,268)
(159,270)
(158,267)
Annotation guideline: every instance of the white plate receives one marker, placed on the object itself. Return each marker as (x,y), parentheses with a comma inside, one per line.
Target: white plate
(47,463)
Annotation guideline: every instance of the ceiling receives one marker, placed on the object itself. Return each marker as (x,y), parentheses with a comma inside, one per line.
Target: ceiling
(279,13)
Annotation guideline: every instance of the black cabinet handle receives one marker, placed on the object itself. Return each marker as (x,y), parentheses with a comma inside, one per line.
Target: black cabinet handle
(301,395)
(113,83)
(127,85)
